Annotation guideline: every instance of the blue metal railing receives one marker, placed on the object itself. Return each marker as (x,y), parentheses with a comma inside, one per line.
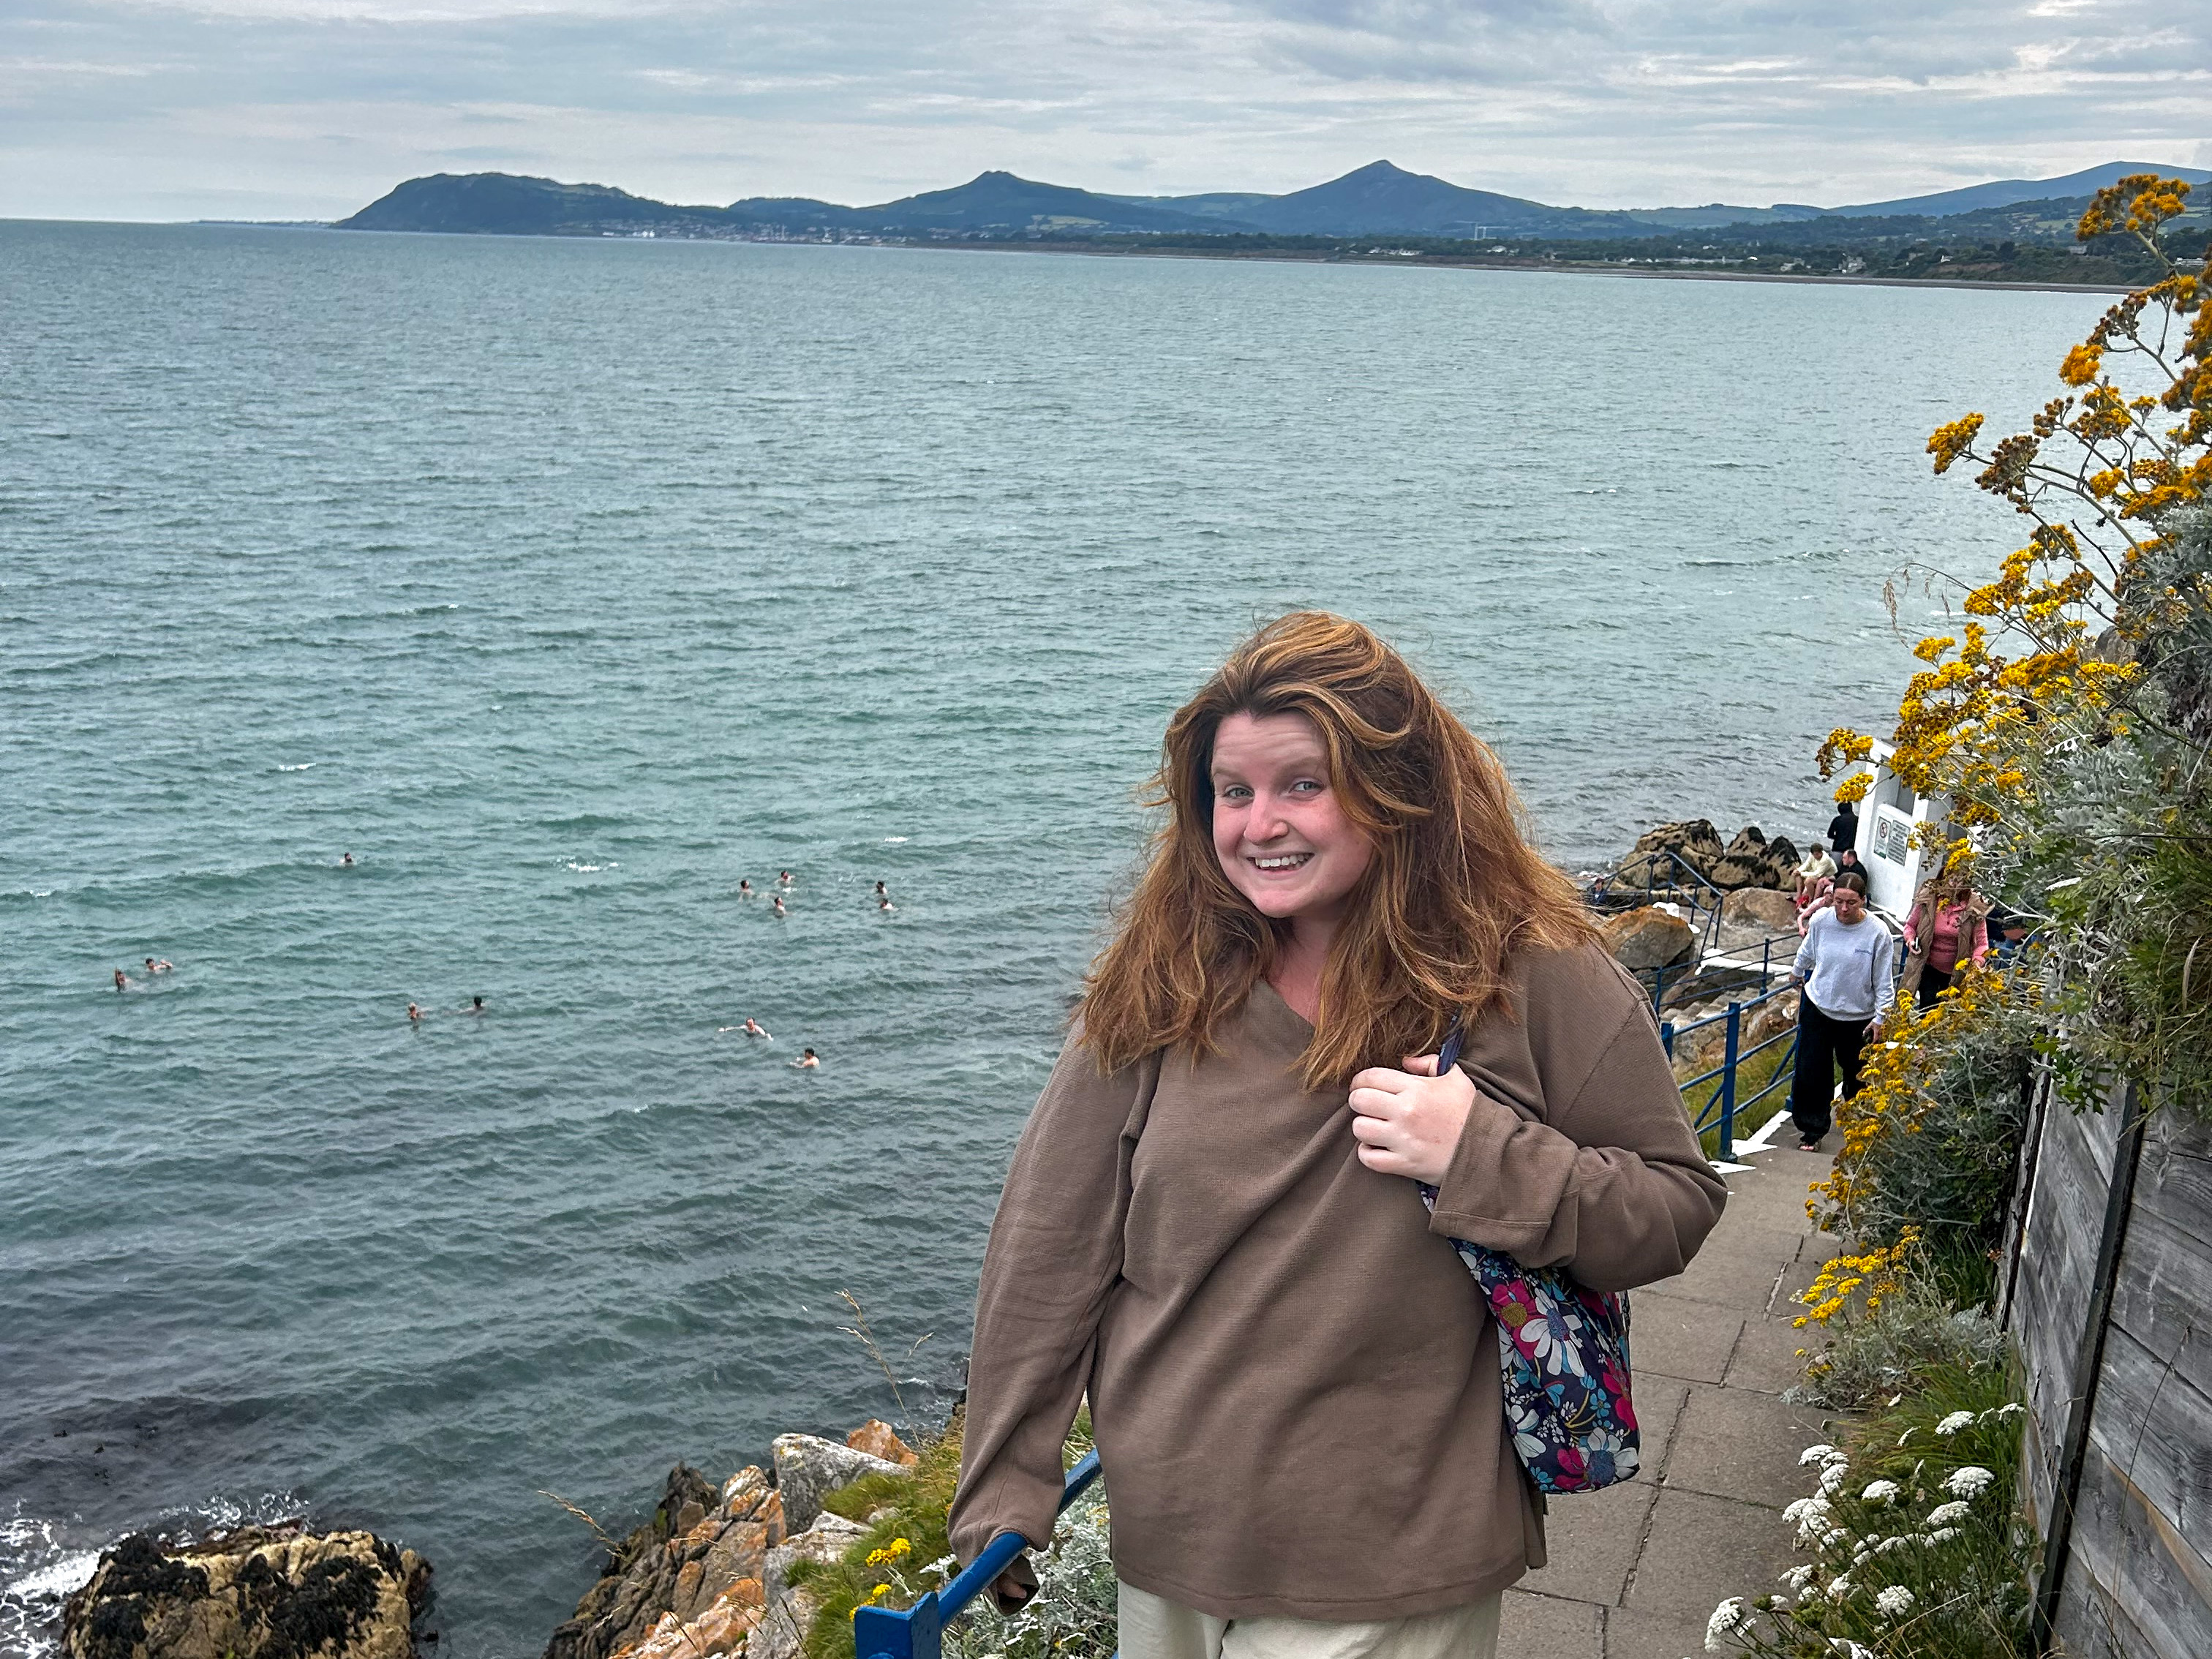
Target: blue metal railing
(918,1632)
(1686,885)
(1723,1106)
(1734,959)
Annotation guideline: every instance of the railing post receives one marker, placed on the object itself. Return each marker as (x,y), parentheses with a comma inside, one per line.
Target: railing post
(1727,1079)
(1667,1037)
(915,1633)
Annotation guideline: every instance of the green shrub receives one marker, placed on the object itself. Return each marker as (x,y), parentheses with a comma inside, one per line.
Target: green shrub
(1917,1548)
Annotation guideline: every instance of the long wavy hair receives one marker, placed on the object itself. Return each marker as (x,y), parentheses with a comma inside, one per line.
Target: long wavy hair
(1452,890)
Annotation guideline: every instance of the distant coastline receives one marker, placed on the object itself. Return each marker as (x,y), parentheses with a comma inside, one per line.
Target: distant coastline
(1436,262)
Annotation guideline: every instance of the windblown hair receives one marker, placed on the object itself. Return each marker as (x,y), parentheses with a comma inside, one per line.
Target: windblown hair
(1453,888)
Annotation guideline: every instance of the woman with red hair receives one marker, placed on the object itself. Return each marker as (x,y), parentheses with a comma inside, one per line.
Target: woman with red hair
(1212,1226)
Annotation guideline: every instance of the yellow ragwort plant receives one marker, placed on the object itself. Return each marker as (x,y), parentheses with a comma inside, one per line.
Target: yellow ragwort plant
(1897,1077)
(1879,1271)
(2097,469)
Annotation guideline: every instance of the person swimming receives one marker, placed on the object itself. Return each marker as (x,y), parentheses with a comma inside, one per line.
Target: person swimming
(415,1012)
(809,1061)
(475,1007)
(745,887)
(753,1028)
(783,878)
(780,910)
(883,904)
(345,858)
(882,892)
(120,982)
(161,967)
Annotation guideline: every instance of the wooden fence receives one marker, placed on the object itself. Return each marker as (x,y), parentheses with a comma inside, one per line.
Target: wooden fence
(2108,1293)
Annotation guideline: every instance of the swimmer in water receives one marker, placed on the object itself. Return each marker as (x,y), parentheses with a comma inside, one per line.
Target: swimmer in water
(345,858)
(753,1028)
(475,1007)
(808,1062)
(783,878)
(161,967)
(883,904)
(780,910)
(415,1013)
(745,887)
(882,892)
(119,981)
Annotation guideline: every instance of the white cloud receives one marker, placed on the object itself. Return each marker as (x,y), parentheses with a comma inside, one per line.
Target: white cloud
(123,109)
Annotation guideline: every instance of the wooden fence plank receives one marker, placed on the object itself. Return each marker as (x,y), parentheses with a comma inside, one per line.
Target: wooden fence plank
(2163,1299)
(2156,1428)
(2134,1587)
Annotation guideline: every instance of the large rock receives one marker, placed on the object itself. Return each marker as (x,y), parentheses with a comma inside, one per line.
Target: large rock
(257,1593)
(1752,860)
(791,1610)
(1764,908)
(674,1571)
(808,1468)
(878,1439)
(1694,841)
(1649,938)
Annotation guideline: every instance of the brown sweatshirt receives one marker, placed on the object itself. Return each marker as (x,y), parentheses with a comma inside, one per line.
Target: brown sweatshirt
(1293,1380)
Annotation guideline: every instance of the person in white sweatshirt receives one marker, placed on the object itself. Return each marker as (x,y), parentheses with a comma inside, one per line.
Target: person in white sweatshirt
(1845,970)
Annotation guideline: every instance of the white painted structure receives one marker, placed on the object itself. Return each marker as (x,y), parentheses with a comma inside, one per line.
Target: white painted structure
(1888,815)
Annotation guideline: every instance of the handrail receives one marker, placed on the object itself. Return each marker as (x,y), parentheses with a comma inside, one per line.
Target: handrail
(1733,1056)
(918,1632)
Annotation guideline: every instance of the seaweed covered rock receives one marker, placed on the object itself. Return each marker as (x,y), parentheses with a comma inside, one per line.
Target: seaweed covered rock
(1752,860)
(1693,841)
(256,1593)
(690,1575)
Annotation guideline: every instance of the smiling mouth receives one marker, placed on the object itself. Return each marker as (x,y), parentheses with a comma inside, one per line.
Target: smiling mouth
(1281,861)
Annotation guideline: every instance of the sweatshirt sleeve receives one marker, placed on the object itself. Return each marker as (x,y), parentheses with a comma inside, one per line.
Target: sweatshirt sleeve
(1609,1181)
(1885,972)
(1053,1255)
(1809,952)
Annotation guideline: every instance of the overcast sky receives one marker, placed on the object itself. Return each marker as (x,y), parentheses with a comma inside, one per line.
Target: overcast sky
(172,109)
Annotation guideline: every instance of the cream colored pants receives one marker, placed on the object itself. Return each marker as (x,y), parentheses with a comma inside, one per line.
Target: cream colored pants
(1154,1628)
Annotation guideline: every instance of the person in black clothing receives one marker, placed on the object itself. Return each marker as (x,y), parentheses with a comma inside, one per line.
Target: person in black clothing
(1844,829)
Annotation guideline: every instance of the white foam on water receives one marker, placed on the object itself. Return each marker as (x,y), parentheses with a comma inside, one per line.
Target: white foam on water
(302,766)
(893,841)
(593,869)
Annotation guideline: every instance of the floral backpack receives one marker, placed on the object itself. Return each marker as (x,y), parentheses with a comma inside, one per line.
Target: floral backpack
(1563,1350)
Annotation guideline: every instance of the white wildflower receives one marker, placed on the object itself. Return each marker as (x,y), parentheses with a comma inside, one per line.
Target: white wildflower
(2013,1409)
(1832,1478)
(1889,1544)
(1942,1534)
(1944,1514)
(1954,1422)
(1879,1492)
(1838,1588)
(1797,1578)
(1815,1455)
(1969,1480)
(1726,1616)
(1809,1516)
(1893,1603)
(1830,1540)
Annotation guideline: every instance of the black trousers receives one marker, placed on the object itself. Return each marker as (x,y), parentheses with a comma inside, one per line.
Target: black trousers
(1934,983)
(1823,1042)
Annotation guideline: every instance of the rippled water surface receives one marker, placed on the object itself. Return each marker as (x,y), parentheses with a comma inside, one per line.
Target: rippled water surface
(564,584)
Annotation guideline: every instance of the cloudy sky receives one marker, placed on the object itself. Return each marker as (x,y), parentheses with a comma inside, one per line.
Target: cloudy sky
(171,109)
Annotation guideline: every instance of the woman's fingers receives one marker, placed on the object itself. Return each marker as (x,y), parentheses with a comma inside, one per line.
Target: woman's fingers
(1383,1078)
(1378,1103)
(1421,1065)
(1382,1160)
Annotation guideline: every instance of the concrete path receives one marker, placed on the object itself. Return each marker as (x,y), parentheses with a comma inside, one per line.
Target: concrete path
(1635,1570)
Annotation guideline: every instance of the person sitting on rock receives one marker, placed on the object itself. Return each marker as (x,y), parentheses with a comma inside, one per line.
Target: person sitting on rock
(1813,873)
(1210,1226)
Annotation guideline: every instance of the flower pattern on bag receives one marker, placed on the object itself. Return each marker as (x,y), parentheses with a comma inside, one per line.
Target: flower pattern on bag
(1563,1350)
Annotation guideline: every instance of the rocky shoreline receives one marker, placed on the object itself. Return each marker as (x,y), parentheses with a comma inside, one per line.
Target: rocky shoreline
(708,1574)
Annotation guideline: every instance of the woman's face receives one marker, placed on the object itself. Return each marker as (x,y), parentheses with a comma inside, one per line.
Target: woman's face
(1279,829)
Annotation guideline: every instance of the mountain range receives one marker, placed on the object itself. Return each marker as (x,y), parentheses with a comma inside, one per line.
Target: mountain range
(1377,199)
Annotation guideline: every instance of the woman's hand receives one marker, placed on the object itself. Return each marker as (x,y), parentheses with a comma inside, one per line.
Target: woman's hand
(1408,1122)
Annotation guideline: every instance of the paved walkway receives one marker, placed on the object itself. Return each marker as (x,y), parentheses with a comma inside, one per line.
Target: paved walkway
(1635,1570)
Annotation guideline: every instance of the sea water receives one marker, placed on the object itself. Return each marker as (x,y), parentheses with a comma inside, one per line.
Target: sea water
(563,584)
